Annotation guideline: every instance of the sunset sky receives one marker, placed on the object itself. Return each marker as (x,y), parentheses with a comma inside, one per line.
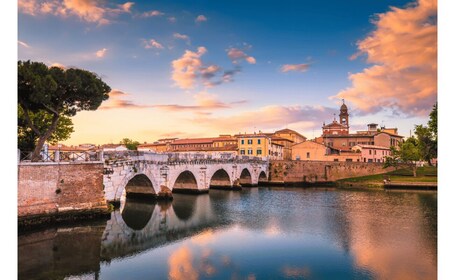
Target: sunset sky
(203,68)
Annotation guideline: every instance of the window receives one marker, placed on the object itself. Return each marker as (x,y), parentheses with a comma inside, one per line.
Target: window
(250,141)
(243,141)
(349,159)
(308,155)
(335,159)
(242,152)
(259,152)
(369,151)
(375,152)
(250,152)
(297,157)
(259,141)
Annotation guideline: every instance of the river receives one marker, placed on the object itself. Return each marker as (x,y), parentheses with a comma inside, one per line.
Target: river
(257,233)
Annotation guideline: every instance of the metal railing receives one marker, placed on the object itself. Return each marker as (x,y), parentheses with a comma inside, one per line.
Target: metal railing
(61,156)
(127,157)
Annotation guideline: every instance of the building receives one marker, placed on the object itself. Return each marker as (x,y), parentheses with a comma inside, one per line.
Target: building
(336,134)
(114,148)
(372,153)
(221,144)
(312,151)
(259,145)
(290,134)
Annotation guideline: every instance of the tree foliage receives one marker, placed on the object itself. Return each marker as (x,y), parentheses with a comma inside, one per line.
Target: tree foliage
(427,137)
(27,138)
(58,92)
(130,144)
(407,153)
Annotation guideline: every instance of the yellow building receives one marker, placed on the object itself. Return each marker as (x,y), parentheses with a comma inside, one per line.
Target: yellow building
(290,134)
(258,145)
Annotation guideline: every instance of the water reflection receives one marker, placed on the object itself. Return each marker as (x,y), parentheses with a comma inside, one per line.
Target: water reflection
(253,234)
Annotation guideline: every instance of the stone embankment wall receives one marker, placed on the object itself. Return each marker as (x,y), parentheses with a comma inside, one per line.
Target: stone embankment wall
(59,190)
(314,172)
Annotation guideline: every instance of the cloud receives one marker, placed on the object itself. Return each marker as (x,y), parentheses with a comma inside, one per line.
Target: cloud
(126,7)
(23,44)
(295,67)
(116,93)
(204,101)
(201,18)
(403,49)
(87,10)
(153,13)
(270,117)
(59,65)
(183,37)
(152,44)
(115,101)
(181,265)
(187,68)
(172,19)
(101,53)
(236,55)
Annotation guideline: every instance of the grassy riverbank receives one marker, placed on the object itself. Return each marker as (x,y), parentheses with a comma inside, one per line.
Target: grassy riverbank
(428,174)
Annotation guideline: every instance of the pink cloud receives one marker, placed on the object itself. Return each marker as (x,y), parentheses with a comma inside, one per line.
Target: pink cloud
(271,117)
(183,37)
(201,18)
(187,68)
(152,44)
(101,53)
(403,49)
(23,44)
(153,13)
(87,10)
(295,67)
(236,55)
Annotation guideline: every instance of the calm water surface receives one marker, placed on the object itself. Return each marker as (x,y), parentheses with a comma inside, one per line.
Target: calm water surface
(258,233)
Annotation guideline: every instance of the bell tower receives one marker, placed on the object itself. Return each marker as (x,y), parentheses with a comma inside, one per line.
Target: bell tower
(344,115)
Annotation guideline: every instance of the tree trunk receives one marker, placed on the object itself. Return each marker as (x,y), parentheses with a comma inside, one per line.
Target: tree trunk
(43,137)
(414,170)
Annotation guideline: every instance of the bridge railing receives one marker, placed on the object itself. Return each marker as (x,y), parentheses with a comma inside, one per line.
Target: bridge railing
(175,158)
(61,156)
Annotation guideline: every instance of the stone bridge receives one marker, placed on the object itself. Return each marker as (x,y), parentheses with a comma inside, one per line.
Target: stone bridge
(158,175)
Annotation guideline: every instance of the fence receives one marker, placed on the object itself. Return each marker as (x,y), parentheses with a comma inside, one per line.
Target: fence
(61,156)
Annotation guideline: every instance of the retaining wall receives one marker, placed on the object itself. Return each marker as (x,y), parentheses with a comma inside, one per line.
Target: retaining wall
(314,172)
(59,189)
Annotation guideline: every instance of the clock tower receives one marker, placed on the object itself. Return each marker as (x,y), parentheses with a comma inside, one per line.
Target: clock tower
(344,116)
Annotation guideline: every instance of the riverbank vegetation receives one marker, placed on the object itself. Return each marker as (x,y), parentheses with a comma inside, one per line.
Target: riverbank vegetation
(426,174)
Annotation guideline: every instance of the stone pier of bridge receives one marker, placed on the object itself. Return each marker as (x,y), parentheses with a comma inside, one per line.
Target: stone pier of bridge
(158,175)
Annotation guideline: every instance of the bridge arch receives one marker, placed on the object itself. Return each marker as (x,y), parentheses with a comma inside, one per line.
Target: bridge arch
(185,182)
(262,177)
(245,178)
(220,179)
(136,185)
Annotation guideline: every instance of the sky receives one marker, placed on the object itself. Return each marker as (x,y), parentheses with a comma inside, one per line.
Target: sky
(204,68)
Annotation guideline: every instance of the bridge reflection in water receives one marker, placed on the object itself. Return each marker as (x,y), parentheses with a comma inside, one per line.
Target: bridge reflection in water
(259,232)
(143,225)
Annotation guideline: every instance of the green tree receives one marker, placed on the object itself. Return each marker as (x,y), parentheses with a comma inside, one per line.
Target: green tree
(408,153)
(130,144)
(27,138)
(426,143)
(433,122)
(58,92)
